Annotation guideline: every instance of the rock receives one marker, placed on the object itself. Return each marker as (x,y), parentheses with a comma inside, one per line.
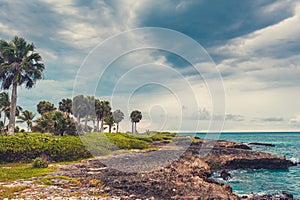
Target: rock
(283,196)
(222,156)
(186,178)
(287,195)
(225,175)
(261,144)
(230,144)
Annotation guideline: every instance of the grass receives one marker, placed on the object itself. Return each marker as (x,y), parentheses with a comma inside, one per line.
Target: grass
(49,180)
(15,171)
(9,192)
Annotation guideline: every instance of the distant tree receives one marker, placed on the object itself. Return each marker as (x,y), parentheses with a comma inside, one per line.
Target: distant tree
(118,116)
(27,117)
(20,65)
(79,108)
(56,122)
(91,114)
(136,117)
(65,105)
(45,106)
(5,108)
(109,120)
(103,110)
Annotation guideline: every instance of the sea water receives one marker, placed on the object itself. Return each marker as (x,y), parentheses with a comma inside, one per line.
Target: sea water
(262,181)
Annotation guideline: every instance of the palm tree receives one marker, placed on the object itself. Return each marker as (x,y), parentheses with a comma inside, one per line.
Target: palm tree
(79,107)
(27,117)
(45,106)
(103,110)
(109,120)
(65,105)
(90,115)
(5,107)
(19,65)
(136,117)
(118,116)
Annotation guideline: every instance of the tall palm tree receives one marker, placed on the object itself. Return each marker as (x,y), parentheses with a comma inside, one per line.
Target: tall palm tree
(109,120)
(65,105)
(136,117)
(27,117)
(20,64)
(118,116)
(103,110)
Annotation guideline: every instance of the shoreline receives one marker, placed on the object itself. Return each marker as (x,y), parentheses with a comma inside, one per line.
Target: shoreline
(172,181)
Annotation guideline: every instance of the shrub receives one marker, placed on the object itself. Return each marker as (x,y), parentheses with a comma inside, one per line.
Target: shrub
(25,147)
(39,163)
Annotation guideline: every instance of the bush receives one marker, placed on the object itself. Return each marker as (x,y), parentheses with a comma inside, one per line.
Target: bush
(25,147)
(39,163)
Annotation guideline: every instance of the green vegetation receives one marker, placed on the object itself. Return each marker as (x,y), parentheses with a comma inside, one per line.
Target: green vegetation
(44,107)
(15,171)
(39,163)
(118,116)
(135,117)
(9,192)
(24,147)
(26,116)
(56,122)
(50,180)
(20,64)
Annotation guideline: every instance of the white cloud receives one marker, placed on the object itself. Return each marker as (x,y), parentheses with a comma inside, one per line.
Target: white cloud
(7,30)
(274,39)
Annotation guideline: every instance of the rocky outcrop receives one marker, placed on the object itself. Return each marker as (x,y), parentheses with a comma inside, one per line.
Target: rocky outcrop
(186,177)
(226,155)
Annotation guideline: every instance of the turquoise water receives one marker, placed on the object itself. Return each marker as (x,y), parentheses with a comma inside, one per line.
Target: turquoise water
(247,182)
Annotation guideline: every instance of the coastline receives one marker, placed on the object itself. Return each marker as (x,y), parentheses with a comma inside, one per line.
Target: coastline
(187,178)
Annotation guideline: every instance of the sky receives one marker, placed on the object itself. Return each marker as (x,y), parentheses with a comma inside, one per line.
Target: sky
(243,76)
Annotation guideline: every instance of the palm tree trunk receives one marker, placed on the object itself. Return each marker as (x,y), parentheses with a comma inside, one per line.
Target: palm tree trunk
(102,123)
(117,127)
(132,127)
(78,120)
(94,128)
(97,126)
(12,113)
(135,127)
(109,129)
(85,123)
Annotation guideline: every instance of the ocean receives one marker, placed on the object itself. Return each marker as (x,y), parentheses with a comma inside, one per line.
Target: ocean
(249,182)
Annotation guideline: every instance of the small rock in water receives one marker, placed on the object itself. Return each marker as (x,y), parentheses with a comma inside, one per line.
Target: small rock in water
(225,175)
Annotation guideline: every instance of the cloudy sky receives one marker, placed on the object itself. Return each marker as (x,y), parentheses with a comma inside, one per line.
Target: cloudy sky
(247,70)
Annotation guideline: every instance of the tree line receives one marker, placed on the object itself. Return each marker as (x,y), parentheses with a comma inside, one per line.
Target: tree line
(21,65)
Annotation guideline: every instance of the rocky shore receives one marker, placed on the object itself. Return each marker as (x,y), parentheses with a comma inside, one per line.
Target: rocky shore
(186,178)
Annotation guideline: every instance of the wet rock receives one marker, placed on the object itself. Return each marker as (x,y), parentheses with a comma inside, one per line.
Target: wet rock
(225,175)
(276,196)
(261,144)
